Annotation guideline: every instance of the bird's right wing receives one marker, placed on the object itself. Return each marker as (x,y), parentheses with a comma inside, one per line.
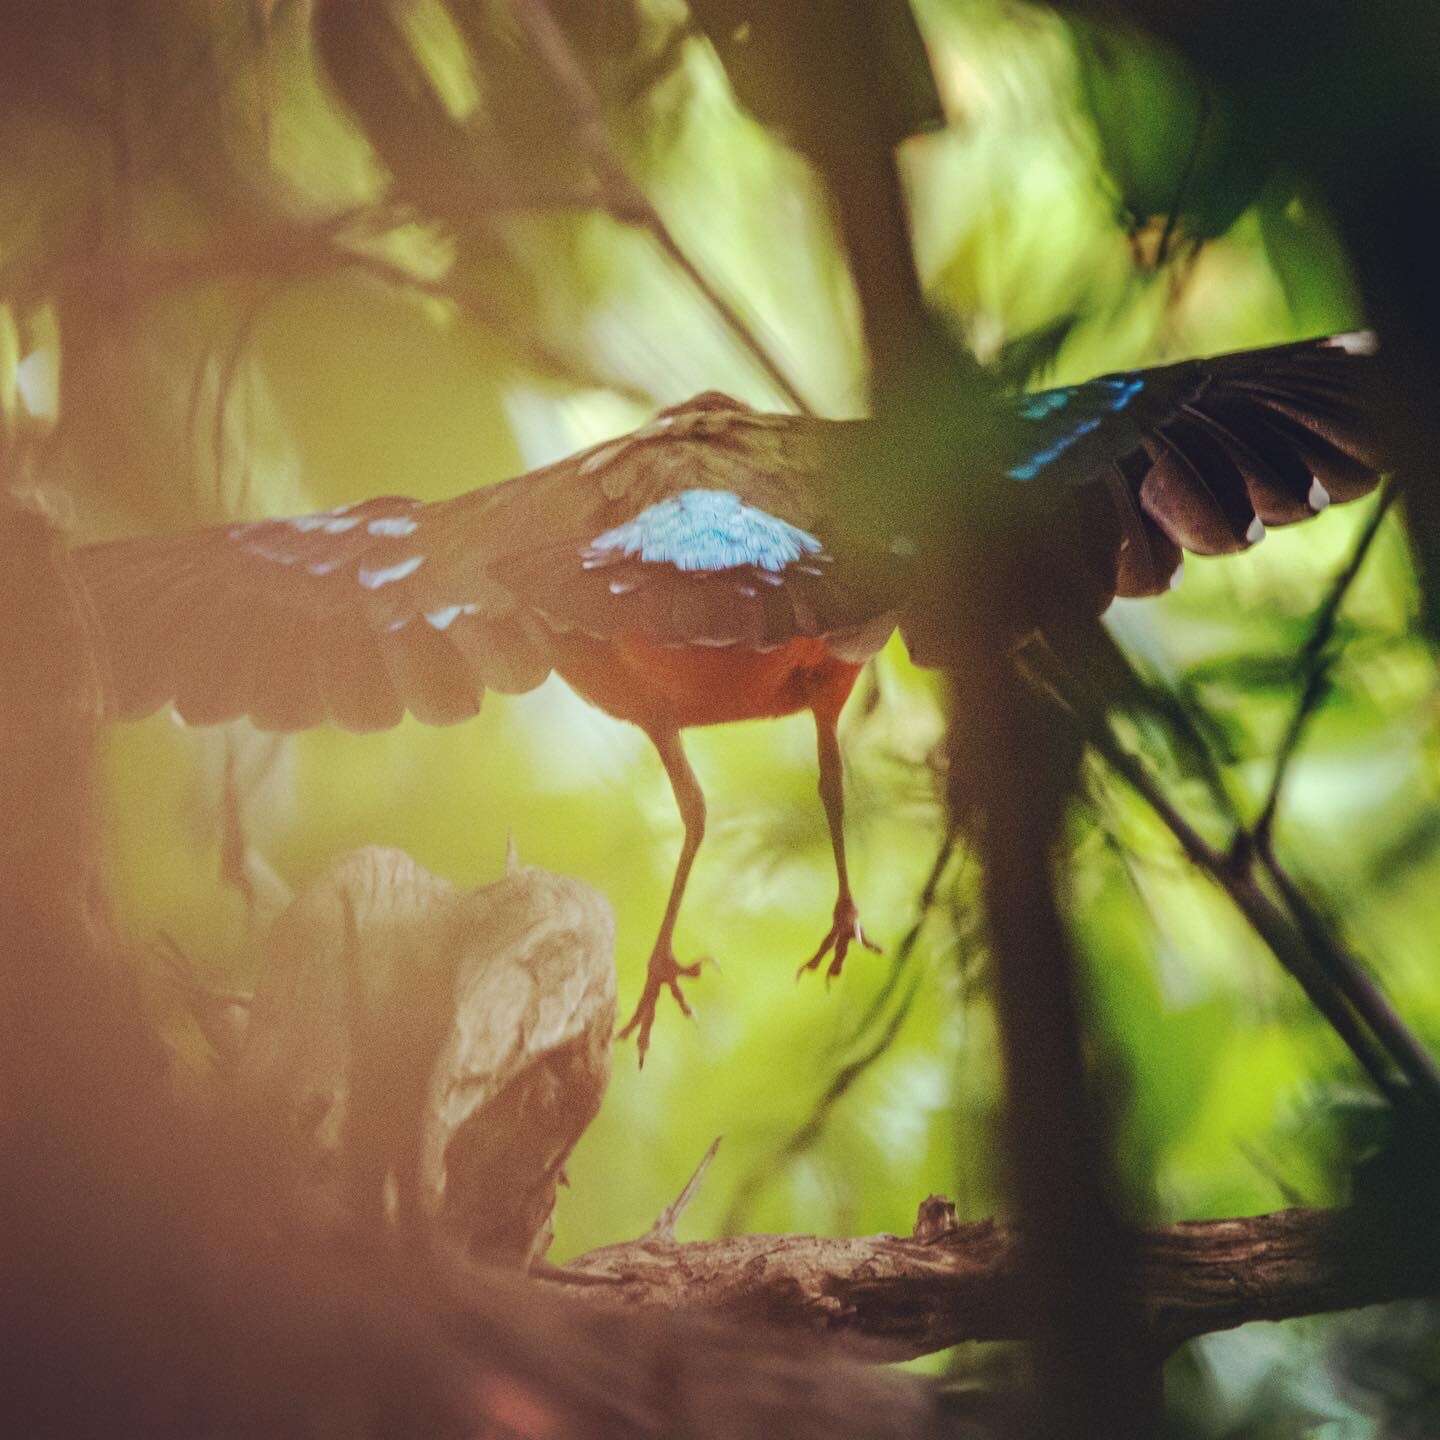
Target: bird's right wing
(1202,455)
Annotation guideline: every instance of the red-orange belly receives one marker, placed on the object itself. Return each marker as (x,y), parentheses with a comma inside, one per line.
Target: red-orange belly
(637,679)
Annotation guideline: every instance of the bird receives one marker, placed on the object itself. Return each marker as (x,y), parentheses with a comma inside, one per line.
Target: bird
(699,570)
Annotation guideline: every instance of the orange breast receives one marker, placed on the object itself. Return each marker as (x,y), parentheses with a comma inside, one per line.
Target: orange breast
(636,679)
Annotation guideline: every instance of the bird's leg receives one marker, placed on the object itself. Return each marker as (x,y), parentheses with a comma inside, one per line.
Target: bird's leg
(664,972)
(845,929)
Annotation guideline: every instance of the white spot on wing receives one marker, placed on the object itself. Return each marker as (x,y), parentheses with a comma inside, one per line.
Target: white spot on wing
(1319,496)
(268,552)
(396,525)
(340,524)
(1256,533)
(444,619)
(603,456)
(389,574)
(1355,342)
(306,523)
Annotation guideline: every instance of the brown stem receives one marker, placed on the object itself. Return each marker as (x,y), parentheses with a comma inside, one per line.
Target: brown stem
(623,197)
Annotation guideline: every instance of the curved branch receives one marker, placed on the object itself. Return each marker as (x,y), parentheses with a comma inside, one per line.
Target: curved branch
(623,198)
(896,1299)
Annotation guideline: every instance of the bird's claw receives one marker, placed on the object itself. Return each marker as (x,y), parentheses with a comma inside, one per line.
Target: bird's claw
(845,931)
(664,973)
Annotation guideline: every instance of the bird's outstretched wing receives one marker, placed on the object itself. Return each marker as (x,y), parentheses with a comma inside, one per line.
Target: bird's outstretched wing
(359,613)
(295,621)
(707,526)
(1203,455)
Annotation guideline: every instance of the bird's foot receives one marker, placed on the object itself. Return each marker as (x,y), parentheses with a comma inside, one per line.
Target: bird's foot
(845,931)
(664,973)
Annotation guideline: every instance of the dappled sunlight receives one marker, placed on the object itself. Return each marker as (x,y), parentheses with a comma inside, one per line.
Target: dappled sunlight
(267,262)
(337,387)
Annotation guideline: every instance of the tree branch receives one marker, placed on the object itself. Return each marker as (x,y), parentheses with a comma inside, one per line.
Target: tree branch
(896,1298)
(1318,659)
(623,198)
(1252,875)
(1266,918)
(1011,768)
(283,254)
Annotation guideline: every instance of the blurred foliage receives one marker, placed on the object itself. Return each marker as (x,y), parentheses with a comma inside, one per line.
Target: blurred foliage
(267,259)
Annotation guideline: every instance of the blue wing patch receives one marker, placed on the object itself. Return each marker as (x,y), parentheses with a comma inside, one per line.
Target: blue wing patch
(1044,403)
(1068,414)
(708,530)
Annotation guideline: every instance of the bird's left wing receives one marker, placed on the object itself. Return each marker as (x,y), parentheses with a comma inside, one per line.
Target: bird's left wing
(354,615)
(357,614)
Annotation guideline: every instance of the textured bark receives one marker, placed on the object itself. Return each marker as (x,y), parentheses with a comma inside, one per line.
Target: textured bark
(455,1042)
(894,1298)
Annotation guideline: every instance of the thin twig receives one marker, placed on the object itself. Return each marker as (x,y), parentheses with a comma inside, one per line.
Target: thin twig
(662,1232)
(290,254)
(807,1134)
(1318,661)
(1334,980)
(1187,174)
(904,952)
(542,357)
(1359,988)
(809,1131)
(624,199)
(1370,1002)
(1267,920)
